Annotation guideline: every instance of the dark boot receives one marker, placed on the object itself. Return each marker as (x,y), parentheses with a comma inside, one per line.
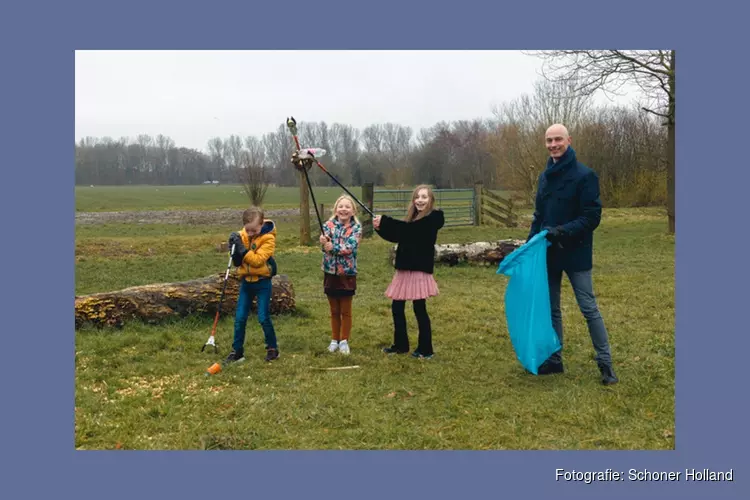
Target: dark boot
(549,367)
(271,354)
(394,350)
(608,375)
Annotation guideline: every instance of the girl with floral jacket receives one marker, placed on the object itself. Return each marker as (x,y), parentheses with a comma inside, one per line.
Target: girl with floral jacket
(340,240)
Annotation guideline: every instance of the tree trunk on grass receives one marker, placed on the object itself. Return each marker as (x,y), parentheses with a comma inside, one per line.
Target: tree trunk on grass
(479,253)
(160,301)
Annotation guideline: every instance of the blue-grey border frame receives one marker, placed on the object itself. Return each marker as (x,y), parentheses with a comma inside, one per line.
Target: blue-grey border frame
(39,40)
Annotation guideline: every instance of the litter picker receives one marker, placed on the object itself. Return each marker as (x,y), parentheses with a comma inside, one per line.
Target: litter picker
(212,339)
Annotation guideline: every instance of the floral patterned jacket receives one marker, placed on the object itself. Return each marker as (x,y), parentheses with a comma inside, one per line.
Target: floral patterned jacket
(342,259)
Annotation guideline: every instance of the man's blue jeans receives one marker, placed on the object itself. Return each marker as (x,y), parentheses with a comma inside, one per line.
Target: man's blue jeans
(262,290)
(583,288)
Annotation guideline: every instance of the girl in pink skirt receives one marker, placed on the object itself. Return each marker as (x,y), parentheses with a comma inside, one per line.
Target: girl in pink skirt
(415,262)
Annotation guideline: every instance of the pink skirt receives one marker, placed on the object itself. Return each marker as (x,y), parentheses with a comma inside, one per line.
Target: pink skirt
(411,285)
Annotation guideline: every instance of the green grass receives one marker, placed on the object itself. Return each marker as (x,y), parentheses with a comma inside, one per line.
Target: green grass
(143,387)
(203,197)
(206,197)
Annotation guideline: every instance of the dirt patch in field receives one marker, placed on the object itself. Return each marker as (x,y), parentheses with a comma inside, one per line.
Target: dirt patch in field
(108,249)
(192,217)
(221,216)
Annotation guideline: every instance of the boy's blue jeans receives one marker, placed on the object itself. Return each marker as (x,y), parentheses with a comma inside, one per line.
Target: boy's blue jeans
(262,290)
(583,289)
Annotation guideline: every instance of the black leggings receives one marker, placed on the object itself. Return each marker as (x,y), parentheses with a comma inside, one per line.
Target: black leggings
(400,338)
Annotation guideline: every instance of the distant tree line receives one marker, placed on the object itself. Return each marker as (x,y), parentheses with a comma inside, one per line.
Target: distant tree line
(627,147)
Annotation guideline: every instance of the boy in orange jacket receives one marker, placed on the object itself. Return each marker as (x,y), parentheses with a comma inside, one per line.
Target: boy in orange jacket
(254,248)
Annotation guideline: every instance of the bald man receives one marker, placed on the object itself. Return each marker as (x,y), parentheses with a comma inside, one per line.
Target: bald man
(568,207)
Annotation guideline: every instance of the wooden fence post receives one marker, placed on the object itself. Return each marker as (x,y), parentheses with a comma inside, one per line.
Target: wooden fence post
(478,203)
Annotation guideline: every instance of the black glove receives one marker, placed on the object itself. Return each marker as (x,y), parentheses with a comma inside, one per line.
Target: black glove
(234,238)
(554,235)
(239,249)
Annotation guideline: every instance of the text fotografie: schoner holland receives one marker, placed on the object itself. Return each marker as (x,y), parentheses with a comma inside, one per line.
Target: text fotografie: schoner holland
(589,477)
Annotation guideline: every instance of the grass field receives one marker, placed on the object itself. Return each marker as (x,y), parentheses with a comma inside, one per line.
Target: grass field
(143,387)
(208,197)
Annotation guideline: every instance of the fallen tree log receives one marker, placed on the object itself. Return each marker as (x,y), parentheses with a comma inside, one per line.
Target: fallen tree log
(157,302)
(479,253)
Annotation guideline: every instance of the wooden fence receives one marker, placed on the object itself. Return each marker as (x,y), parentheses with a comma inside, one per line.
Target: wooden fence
(462,207)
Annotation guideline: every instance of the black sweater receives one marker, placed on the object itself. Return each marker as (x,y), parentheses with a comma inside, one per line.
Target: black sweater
(416,240)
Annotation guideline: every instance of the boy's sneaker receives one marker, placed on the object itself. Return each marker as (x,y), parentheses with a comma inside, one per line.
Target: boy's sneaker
(234,357)
(419,355)
(344,347)
(393,350)
(333,346)
(271,354)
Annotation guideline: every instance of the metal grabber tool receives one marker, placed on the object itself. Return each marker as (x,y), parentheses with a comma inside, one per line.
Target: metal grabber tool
(212,339)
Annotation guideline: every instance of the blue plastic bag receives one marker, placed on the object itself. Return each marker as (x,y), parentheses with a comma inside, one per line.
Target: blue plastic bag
(527,307)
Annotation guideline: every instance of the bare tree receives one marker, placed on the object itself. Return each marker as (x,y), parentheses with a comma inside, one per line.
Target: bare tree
(252,171)
(516,143)
(145,142)
(345,152)
(652,71)
(233,149)
(441,155)
(164,145)
(474,159)
(396,148)
(558,102)
(217,153)
(372,153)
(278,146)
(518,158)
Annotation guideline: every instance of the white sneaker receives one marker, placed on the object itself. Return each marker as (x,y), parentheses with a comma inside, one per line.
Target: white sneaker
(333,346)
(344,347)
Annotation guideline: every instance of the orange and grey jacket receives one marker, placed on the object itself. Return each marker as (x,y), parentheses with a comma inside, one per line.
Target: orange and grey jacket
(259,262)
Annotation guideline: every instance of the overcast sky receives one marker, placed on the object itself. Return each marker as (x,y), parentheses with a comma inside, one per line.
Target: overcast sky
(192,96)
